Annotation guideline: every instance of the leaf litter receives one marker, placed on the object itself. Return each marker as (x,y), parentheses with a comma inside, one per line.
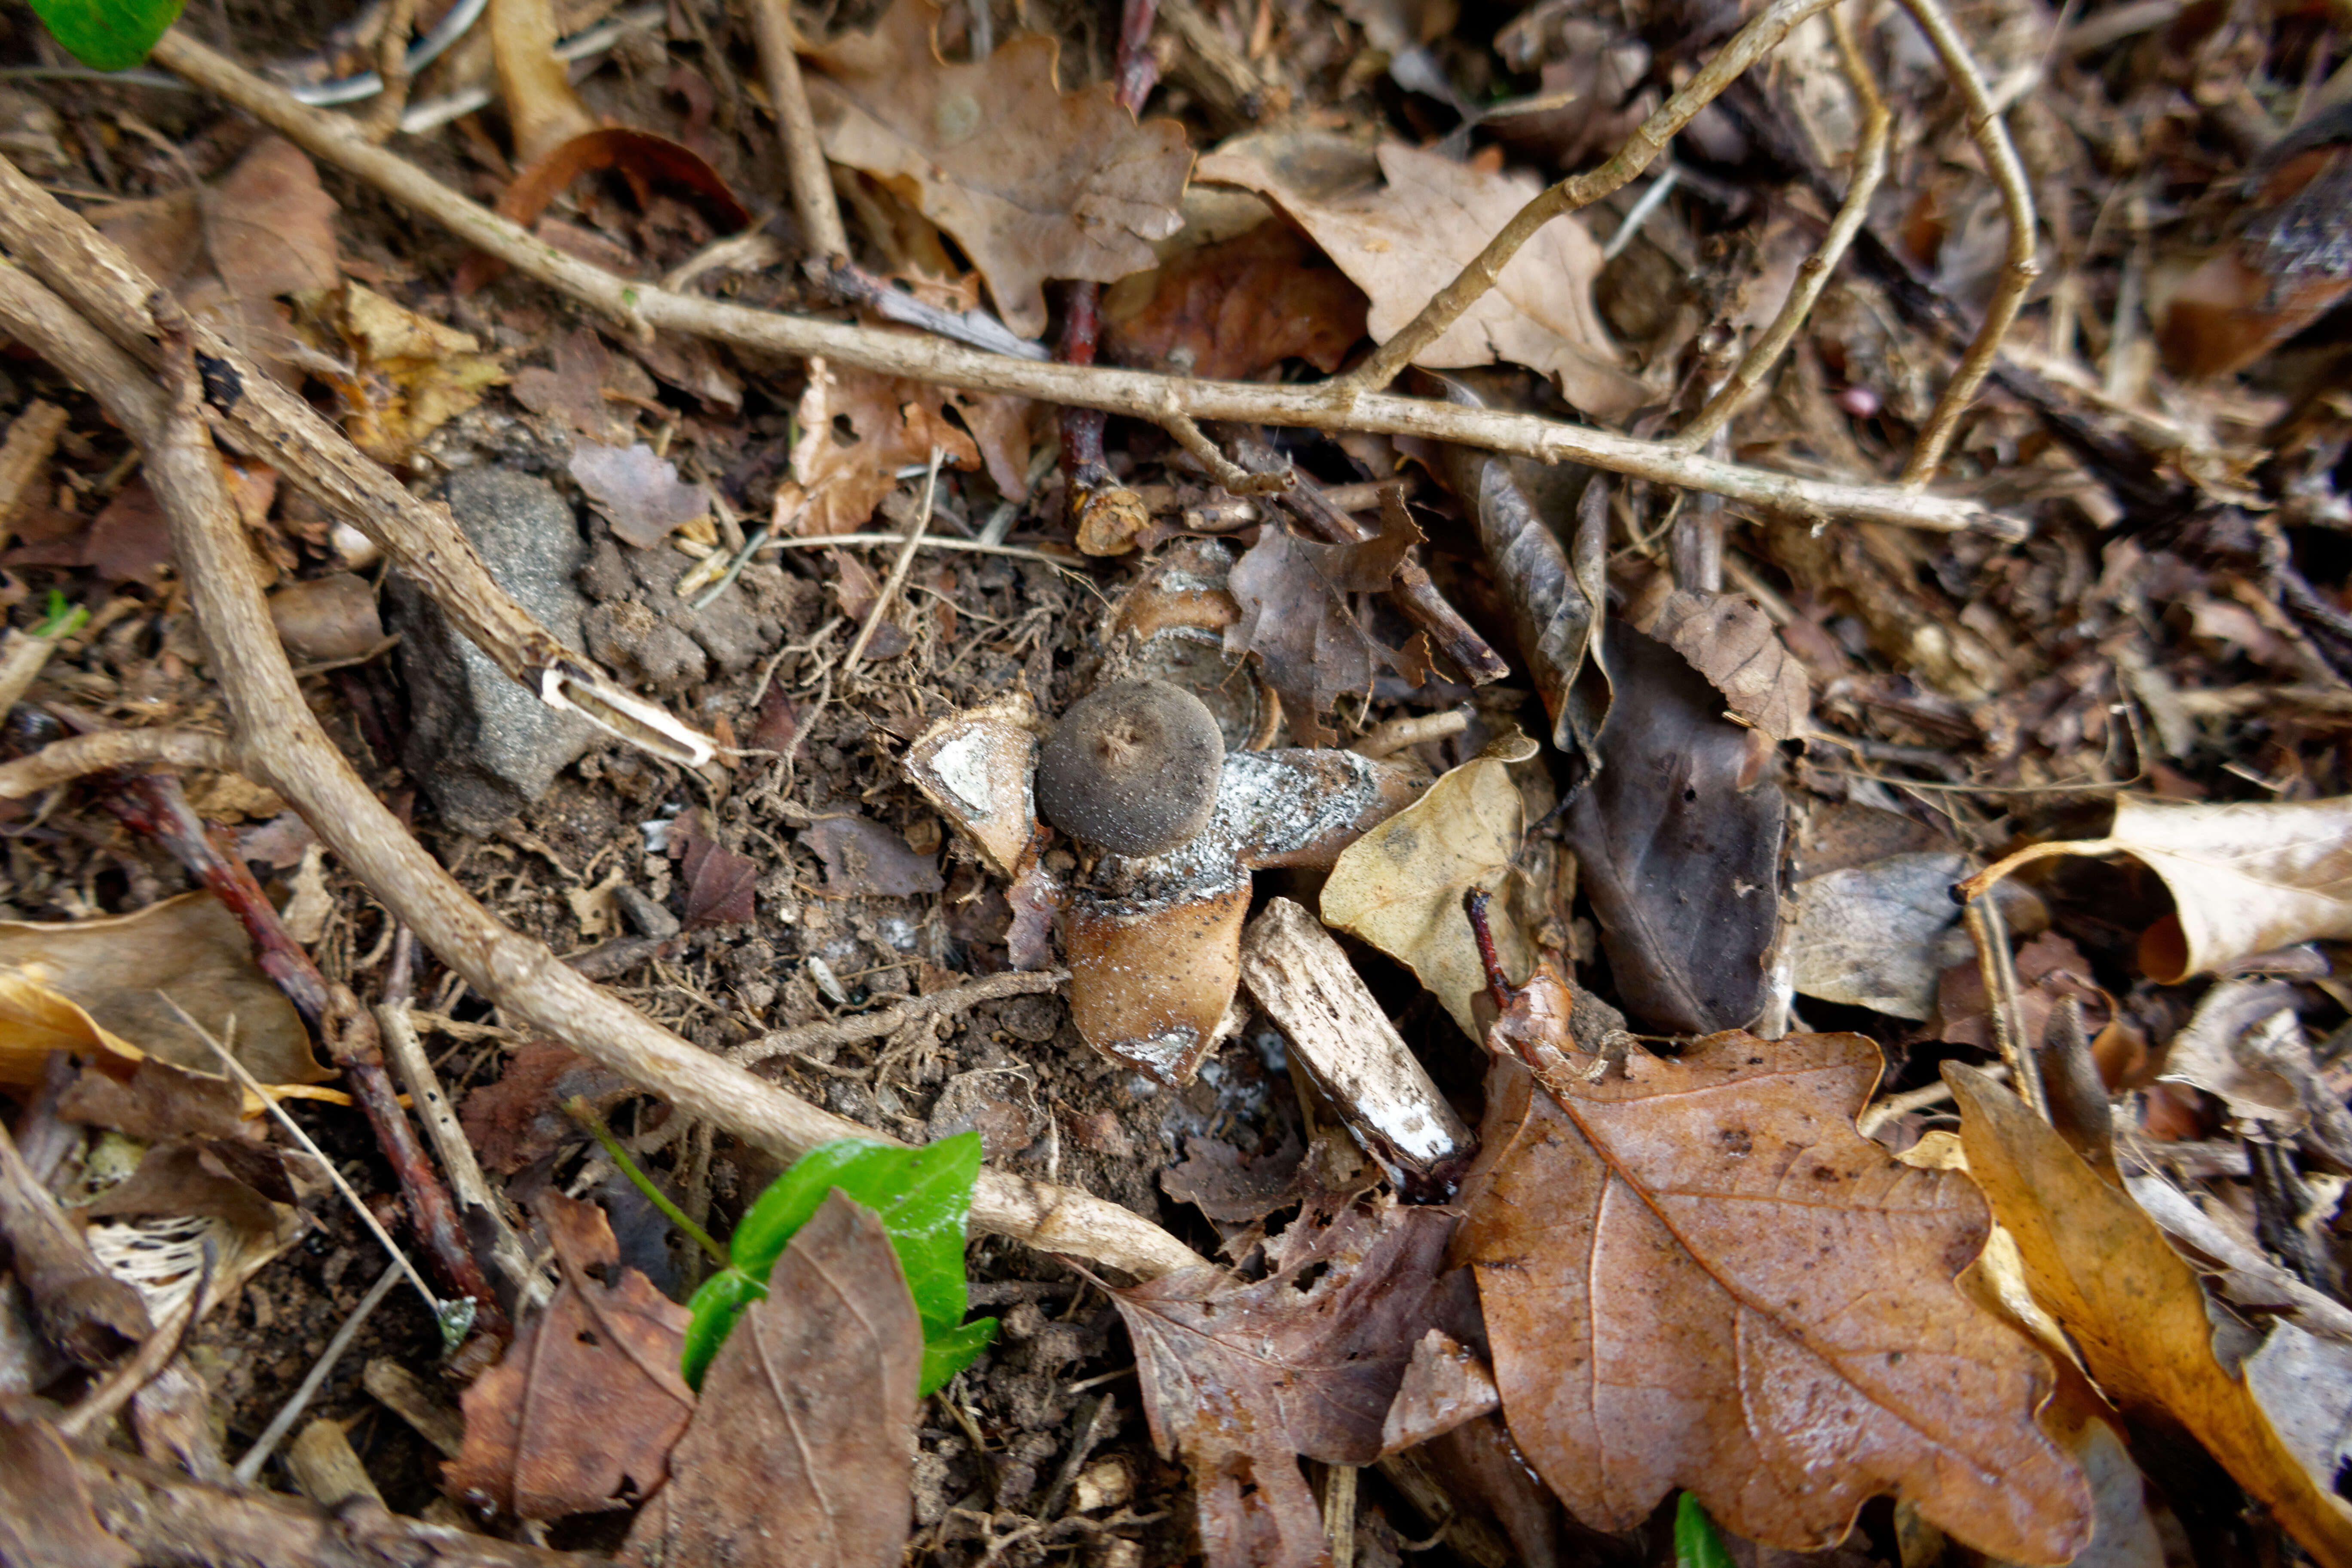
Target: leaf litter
(2170,632)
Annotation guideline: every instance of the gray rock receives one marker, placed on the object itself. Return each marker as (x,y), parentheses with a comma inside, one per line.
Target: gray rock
(728,629)
(626,639)
(483,747)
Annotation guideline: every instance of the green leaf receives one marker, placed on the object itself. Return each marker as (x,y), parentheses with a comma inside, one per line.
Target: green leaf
(951,1350)
(1696,1545)
(108,34)
(922,1196)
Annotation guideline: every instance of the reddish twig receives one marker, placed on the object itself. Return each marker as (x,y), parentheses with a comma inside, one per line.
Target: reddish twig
(1498,985)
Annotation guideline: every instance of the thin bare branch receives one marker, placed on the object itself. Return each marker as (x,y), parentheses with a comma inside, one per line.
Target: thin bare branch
(1813,276)
(1750,44)
(1138,393)
(112,750)
(804,165)
(898,568)
(2018,267)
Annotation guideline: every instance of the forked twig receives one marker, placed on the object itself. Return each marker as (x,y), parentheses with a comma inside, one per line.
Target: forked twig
(1139,393)
(1869,168)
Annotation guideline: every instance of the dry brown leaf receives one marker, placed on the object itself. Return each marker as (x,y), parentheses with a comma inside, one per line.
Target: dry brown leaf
(536,86)
(1729,640)
(720,885)
(95,984)
(1407,239)
(1879,935)
(1243,1379)
(858,429)
(2133,1307)
(571,389)
(1400,886)
(802,1454)
(863,858)
(639,493)
(45,1517)
(519,1119)
(410,375)
(589,1400)
(1034,183)
(1696,1273)
(2246,876)
(1295,617)
(1236,309)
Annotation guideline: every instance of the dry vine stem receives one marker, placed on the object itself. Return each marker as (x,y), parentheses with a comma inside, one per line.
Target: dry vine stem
(1138,393)
(263,416)
(1751,43)
(281,745)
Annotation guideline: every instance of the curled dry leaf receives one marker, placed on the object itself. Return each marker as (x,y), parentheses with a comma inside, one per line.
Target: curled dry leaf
(1558,598)
(1678,841)
(409,375)
(2134,1310)
(1155,943)
(1731,642)
(94,984)
(1236,309)
(1697,1273)
(1295,617)
(639,493)
(2222,1051)
(802,1453)
(589,1399)
(2245,877)
(1408,238)
(858,429)
(1242,1380)
(1400,886)
(1033,183)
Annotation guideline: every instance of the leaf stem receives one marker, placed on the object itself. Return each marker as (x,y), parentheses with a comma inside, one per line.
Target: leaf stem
(578,1108)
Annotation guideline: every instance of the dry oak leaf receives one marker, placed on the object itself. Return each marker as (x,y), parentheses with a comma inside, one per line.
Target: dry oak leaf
(2246,876)
(1033,183)
(1236,309)
(1243,1379)
(858,429)
(802,1454)
(410,375)
(1407,239)
(1697,1273)
(2133,1307)
(589,1399)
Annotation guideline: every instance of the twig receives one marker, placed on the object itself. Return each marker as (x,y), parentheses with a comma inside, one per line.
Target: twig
(1869,167)
(442,1312)
(898,569)
(281,745)
(264,417)
(804,165)
(1998,969)
(929,541)
(1140,393)
(2018,266)
(86,1312)
(1750,44)
(248,1467)
(1388,739)
(891,1020)
(24,455)
(1236,480)
(382,117)
(397,1024)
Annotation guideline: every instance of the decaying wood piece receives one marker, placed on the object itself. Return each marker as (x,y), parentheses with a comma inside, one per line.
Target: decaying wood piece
(1303,980)
(264,417)
(1138,393)
(281,745)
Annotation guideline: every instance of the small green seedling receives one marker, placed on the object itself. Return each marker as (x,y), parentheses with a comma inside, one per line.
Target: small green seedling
(1697,1544)
(108,34)
(60,618)
(922,1196)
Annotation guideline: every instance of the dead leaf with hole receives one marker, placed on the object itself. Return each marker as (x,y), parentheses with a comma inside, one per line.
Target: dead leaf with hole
(858,429)
(583,1411)
(1411,235)
(2246,876)
(1696,1273)
(1235,310)
(409,374)
(1731,642)
(1400,886)
(1034,183)
(1242,1380)
(1678,841)
(2133,1309)
(639,494)
(93,985)
(802,1449)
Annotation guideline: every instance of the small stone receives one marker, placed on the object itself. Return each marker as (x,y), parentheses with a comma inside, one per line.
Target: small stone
(647,917)
(642,649)
(981,1102)
(482,746)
